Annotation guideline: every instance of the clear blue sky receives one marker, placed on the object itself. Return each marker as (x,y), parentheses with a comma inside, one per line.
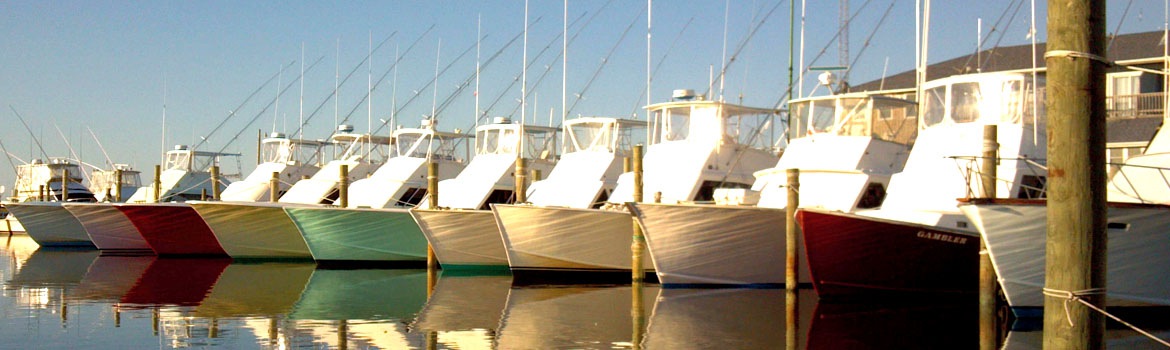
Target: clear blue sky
(103,65)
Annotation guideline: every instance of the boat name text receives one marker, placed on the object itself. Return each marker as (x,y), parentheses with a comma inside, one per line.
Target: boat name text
(942,237)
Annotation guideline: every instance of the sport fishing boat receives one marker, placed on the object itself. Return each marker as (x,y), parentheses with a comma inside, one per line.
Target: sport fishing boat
(376,226)
(158,211)
(463,232)
(116,184)
(40,190)
(845,146)
(593,153)
(107,227)
(1138,207)
(247,229)
(918,243)
(695,146)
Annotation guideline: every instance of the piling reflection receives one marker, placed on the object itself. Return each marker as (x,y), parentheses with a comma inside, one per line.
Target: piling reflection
(894,326)
(724,318)
(545,317)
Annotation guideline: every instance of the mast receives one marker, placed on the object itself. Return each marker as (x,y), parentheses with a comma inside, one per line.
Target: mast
(564,60)
(649,11)
(435,86)
(726,9)
(524,70)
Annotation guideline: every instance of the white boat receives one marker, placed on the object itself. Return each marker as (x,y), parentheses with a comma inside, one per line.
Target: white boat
(287,158)
(593,154)
(1016,230)
(37,202)
(186,175)
(376,226)
(694,147)
(845,146)
(248,229)
(463,233)
(106,184)
(918,242)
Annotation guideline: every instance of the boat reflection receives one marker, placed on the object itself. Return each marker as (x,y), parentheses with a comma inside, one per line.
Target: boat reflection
(734,318)
(260,289)
(894,326)
(175,282)
(464,309)
(546,317)
(111,277)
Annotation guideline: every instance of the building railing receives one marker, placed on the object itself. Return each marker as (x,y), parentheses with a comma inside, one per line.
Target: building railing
(1146,105)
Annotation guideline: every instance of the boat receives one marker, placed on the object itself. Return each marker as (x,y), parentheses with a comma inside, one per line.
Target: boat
(695,146)
(116,184)
(159,211)
(375,226)
(281,157)
(846,146)
(262,230)
(463,232)
(106,226)
(918,243)
(592,154)
(1016,230)
(37,200)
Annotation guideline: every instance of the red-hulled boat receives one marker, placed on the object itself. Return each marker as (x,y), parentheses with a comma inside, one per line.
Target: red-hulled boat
(852,255)
(173,229)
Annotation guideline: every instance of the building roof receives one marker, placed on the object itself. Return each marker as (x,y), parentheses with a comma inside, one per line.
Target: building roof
(1123,47)
(1131,130)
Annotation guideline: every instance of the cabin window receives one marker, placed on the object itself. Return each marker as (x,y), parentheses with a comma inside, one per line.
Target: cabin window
(707,190)
(498,196)
(934,106)
(412,197)
(965,102)
(824,114)
(1032,187)
(873,196)
(797,117)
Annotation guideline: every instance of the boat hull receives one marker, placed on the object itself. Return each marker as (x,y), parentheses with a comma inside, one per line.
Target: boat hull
(108,227)
(462,239)
(717,245)
(50,225)
(1136,262)
(253,230)
(567,239)
(173,229)
(360,235)
(850,255)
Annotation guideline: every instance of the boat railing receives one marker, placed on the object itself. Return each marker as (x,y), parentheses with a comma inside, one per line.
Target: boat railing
(1032,184)
(1128,182)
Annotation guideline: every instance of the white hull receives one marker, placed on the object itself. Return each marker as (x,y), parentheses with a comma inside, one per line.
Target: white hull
(108,227)
(706,244)
(253,230)
(49,224)
(1136,260)
(462,238)
(544,238)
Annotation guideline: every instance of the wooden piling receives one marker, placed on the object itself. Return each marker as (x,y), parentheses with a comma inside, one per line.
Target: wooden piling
(202,194)
(1075,248)
(64,185)
(215,182)
(433,203)
(638,246)
(118,185)
(521,188)
(41,193)
(157,184)
(343,187)
(791,229)
(274,187)
(988,291)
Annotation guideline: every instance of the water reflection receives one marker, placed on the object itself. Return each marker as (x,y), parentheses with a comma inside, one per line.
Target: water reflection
(56,298)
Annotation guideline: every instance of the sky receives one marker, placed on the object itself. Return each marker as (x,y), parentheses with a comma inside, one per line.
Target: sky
(129,78)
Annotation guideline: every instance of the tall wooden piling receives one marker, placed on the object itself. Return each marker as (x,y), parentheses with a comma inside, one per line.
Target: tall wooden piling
(118,185)
(791,229)
(1075,248)
(64,185)
(638,246)
(433,202)
(988,336)
(41,193)
(343,187)
(274,187)
(215,182)
(157,184)
(521,189)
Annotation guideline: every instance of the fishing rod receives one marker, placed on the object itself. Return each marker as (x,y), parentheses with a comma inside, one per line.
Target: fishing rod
(654,72)
(467,82)
(30,133)
(72,153)
(581,95)
(265,109)
(232,113)
(548,68)
(425,86)
(388,70)
(102,148)
(742,45)
(333,95)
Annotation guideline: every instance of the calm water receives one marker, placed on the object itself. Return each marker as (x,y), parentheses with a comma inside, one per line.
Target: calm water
(80,299)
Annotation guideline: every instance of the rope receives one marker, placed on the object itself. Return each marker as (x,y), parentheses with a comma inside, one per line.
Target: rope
(1070,296)
(1077,54)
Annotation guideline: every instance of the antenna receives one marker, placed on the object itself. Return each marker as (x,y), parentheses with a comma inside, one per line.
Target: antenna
(301,103)
(435,87)
(726,10)
(394,92)
(369,94)
(163,145)
(336,73)
(276,108)
(524,71)
(649,72)
(564,62)
(478,35)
